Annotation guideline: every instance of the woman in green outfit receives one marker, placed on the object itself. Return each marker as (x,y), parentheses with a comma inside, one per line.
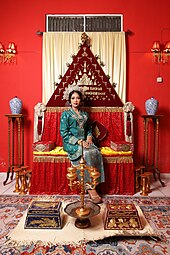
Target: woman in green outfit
(76,132)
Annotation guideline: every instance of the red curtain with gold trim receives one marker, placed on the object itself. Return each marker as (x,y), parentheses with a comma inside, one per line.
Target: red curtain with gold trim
(113,121)
(50,178)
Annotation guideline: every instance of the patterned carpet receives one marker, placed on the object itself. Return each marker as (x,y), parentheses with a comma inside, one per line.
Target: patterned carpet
(156,211)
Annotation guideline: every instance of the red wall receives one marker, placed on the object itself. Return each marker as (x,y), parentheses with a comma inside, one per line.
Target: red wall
(148,21)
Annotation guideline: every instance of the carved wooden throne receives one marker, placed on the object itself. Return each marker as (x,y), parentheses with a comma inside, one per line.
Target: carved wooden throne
(105,109)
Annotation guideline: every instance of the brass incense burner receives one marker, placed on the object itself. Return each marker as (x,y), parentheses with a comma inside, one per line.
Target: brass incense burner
(82,210)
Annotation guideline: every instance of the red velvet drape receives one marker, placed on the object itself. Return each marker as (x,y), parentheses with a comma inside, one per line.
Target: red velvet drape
(50,178)
(119,179)
(51,130)
(113,121)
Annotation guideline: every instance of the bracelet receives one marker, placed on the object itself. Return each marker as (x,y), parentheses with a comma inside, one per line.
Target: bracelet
(79,142)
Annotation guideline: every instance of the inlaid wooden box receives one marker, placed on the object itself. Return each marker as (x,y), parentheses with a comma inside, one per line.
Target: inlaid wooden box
(122,146)
(121,217)
(43,146)
(44,215)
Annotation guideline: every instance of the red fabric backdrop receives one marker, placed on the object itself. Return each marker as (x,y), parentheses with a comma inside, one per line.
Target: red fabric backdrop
(50,178)
(113,121)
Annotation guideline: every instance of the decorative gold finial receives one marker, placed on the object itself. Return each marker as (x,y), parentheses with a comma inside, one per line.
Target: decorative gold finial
(85,39)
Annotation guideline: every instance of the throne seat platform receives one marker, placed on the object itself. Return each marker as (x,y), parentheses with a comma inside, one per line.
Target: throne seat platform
(50,167)
(50,171)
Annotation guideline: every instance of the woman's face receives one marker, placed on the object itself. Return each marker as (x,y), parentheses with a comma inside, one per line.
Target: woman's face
(75,100)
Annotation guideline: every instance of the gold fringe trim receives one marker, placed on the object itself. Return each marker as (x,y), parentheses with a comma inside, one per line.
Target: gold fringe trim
(87,109)
(51,159)
(124,159)
(56,109)
(64,159)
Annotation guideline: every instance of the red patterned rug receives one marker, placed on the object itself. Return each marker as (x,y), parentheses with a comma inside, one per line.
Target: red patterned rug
(156,211)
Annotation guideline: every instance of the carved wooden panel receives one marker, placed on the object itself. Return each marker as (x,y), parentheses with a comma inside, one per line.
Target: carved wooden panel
(80,23)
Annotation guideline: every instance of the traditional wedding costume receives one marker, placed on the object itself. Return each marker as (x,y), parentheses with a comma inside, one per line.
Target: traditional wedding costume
(74,127)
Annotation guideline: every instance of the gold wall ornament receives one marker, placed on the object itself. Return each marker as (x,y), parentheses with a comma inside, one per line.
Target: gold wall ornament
(82,210)
(8,55)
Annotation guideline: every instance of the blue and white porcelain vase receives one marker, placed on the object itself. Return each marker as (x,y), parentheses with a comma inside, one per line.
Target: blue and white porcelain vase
(151,106)
(15,105)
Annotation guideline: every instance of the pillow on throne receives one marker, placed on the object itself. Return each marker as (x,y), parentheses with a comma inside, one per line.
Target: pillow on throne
(99,132)
(44,146)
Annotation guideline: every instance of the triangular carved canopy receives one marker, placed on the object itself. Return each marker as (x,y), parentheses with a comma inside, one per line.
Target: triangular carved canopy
(86,71)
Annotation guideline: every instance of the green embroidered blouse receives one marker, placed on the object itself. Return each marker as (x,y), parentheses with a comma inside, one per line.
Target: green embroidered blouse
(73,128)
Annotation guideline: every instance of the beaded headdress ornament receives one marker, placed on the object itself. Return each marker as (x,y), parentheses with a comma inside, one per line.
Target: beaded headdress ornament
(70,88)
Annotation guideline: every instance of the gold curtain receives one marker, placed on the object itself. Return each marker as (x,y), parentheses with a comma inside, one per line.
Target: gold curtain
(59,46)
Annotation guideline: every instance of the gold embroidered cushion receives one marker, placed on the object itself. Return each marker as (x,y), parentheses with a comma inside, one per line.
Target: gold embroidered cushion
(122,146)
(44,146)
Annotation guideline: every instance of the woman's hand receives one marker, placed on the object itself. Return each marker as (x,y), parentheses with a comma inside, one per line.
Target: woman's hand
(87,143)
(89,140)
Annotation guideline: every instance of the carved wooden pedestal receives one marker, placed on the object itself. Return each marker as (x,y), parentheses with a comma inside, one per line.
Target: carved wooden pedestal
(15,143)
(149,120)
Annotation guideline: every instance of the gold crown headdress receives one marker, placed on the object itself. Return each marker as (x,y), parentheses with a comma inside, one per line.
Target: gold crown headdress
(70,88)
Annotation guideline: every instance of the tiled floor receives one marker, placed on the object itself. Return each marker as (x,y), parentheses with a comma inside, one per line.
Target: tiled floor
(156,187)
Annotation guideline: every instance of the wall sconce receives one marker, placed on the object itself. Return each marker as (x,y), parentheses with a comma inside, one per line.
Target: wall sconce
(2,52)
(8,55)
(161,53)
